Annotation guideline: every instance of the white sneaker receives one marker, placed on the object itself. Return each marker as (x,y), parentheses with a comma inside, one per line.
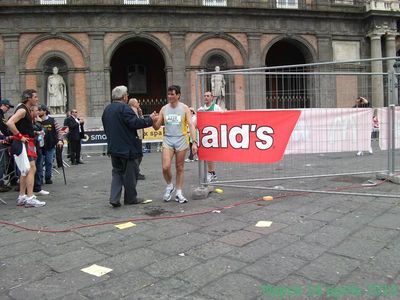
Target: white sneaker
(188,160)
(359,153)
(168,193)
(42,192)
(371,152)
(34,202)
(21,200)
(180,198)
(211,177)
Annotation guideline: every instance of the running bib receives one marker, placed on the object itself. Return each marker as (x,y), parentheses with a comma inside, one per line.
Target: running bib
(173,119)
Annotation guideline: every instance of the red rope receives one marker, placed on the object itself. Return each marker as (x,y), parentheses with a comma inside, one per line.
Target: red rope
(165,217)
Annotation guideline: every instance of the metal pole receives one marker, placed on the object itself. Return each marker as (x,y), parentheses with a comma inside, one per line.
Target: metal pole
(392,137)
(202,89)
(309,191)
(198,88)
(390,99)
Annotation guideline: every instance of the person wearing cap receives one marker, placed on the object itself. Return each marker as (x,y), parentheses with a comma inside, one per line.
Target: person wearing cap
(5,106)
(52,138)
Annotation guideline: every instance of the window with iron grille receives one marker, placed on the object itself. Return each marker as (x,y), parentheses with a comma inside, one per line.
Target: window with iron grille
(53,2)
(287,3)
(137,2)
(214,2)
(346,2)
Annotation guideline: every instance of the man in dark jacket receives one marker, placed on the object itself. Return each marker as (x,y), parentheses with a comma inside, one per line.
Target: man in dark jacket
(52,138)
(75,134)
(123,145)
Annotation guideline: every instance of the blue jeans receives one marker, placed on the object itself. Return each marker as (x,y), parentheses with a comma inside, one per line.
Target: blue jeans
(39,171)
(48,155)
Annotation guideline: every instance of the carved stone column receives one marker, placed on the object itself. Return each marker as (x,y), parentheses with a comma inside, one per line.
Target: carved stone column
(11,82)
(179,63)
(325,50)
(390,47)
(325,53)
(256,83)
(376,67)
(96,76)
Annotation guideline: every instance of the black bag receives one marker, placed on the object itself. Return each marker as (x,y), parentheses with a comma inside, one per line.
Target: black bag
(59,156)
(16,147)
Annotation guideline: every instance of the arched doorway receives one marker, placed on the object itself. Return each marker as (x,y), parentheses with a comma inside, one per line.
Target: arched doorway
(224,62)
(49,64)
(286,91)
(140,66)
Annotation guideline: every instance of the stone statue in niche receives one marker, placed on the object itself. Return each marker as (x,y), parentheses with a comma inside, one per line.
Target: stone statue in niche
(218,88)
(56,93)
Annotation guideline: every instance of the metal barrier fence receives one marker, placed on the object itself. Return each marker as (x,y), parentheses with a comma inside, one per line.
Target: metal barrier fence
(331,139)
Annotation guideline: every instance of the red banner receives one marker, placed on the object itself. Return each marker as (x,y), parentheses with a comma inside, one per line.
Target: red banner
(252,136)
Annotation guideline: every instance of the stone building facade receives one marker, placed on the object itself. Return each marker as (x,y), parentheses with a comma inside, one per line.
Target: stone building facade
(148,45)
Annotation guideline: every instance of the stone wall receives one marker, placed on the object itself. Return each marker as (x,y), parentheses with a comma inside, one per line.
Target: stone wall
(87,38)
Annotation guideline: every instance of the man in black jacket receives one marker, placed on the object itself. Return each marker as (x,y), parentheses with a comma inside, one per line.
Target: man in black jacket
(123,145)
(75,134)
(52,138)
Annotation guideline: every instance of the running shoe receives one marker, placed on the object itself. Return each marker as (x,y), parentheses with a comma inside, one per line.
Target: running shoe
(168,193)
(180,198)
(211,177)
(21,200)
(34,202)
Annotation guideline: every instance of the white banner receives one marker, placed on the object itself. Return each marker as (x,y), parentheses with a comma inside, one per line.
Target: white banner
(322,130)
(384,130)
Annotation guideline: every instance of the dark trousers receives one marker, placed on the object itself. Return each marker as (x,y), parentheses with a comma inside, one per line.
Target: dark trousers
(75,151)
(191,155)
(124,173)
(140,158)
(37,186)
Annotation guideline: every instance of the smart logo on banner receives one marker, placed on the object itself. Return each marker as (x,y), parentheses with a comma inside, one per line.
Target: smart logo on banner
(253,136)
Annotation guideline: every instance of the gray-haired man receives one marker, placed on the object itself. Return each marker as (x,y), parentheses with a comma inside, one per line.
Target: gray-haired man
(123,145)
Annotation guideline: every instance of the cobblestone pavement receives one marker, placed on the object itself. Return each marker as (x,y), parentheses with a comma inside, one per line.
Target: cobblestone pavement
(318,246)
